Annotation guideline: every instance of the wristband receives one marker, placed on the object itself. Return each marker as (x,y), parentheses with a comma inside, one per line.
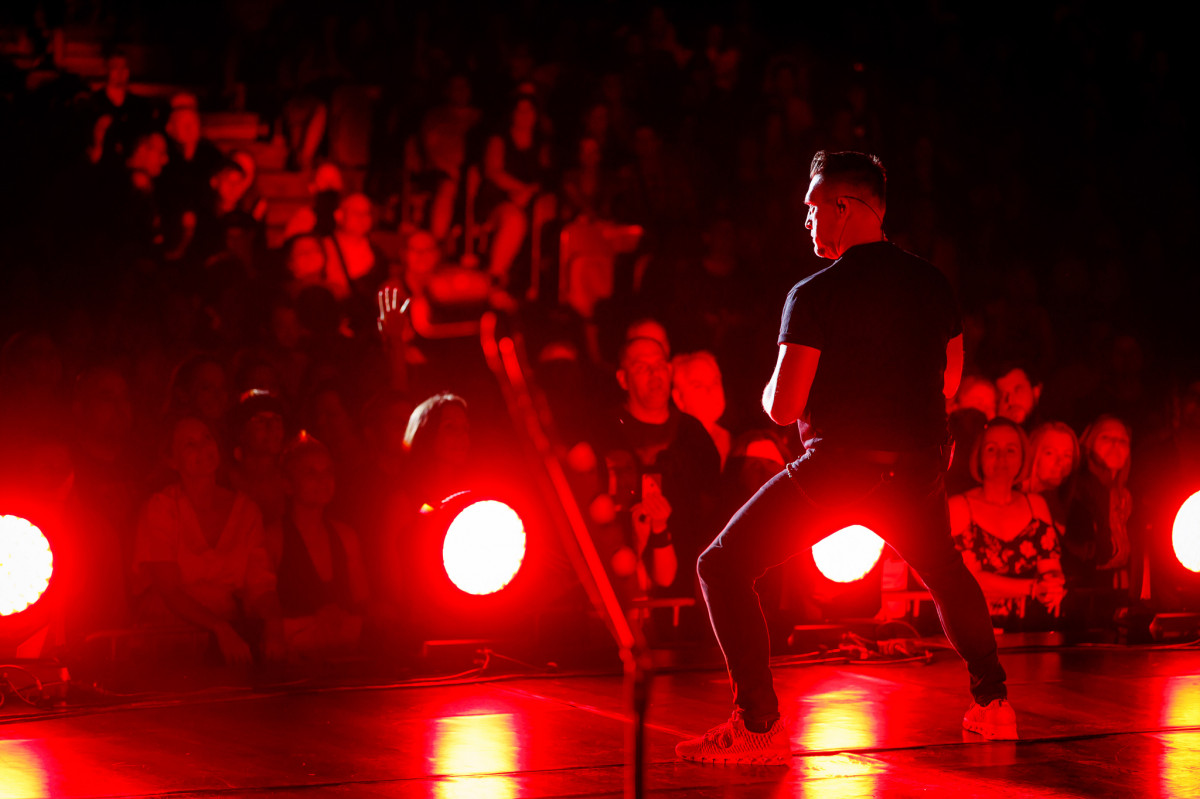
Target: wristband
(659,540)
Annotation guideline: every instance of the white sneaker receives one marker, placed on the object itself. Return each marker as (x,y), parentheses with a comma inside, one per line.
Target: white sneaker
(731,742)
(996,721)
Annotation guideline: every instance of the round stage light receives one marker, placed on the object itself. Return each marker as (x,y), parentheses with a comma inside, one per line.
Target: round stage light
(25,564)
(848,554)
(484,547)
(1185,535)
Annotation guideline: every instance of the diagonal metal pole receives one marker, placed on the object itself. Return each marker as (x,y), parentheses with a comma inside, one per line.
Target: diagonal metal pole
(532,418)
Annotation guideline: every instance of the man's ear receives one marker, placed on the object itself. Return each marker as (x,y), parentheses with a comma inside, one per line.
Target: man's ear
(622,380)
(1037,393)
(677,396)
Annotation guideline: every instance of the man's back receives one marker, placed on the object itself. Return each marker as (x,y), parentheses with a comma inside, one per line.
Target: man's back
(881,319)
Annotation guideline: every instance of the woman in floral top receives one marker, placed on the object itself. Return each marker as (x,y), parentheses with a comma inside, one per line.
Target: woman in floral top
(1007,538)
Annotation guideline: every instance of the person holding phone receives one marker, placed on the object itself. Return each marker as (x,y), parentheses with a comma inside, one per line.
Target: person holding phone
(663,468)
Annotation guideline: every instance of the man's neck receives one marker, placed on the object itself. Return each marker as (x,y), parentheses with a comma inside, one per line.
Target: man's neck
(854,238)
(649,415)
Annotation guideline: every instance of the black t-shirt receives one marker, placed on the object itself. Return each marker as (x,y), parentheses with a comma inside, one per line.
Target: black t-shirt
(881,319)
(683,454)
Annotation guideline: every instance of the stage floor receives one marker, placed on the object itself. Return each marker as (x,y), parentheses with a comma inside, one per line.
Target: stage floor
(1094,722)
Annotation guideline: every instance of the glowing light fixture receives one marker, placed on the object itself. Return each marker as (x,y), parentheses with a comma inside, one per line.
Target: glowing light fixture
(848,554)
(484,547)
(26,564)
(1185,535)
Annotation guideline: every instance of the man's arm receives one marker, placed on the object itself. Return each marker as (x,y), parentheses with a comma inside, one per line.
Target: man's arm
(954,366)
(786,394)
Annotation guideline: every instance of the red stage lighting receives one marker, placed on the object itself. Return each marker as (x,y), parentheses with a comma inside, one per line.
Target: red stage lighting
(484,547)
(26,564)
(849,554)
(1185,535)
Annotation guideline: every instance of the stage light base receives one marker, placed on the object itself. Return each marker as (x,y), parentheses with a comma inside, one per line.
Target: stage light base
(43,682)
(1172,627)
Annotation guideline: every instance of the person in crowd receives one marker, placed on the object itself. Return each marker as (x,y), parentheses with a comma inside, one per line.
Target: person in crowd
(1007,537)
(968,411)
(322,582)
(199,387)
(326,188)
(185,189)
(258,429)
(119,113)
(1054,448)
(354,266)
(672,455)
(516,174)
(697,390)
(441,146)
(1096,541)
(108,470)
(590,186)
(1018,393)
(200,555)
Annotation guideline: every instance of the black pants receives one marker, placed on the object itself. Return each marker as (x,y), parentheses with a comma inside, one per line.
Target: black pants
(819,494)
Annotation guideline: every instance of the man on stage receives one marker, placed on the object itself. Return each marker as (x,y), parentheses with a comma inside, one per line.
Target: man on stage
(869,348)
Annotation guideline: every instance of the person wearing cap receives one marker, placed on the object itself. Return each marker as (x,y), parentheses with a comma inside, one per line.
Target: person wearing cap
(258,430)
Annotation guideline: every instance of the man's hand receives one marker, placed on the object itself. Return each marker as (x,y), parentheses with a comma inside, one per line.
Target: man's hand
(649,516)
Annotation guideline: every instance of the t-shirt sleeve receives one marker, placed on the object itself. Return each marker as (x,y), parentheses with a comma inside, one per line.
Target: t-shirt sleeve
(799,324)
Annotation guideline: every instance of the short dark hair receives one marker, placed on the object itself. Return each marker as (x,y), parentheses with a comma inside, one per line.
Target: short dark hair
(862,170)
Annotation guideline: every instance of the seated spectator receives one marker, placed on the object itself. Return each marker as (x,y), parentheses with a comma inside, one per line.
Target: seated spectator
(1019,393)
(185,188)
(200,556)
(441,148)
(119,113)
(353,265)
(1055,449)
(326,188)
(697,390)
(590,186)
(1096,540)
(322,578)
(306,261)
(1006,537)
(199,387)
(516,166)
(107,473)
(258,432)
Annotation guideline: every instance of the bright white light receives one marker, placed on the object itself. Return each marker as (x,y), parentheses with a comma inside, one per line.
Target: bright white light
(484,547)
(1186,533)
(25,564)
(848,554)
